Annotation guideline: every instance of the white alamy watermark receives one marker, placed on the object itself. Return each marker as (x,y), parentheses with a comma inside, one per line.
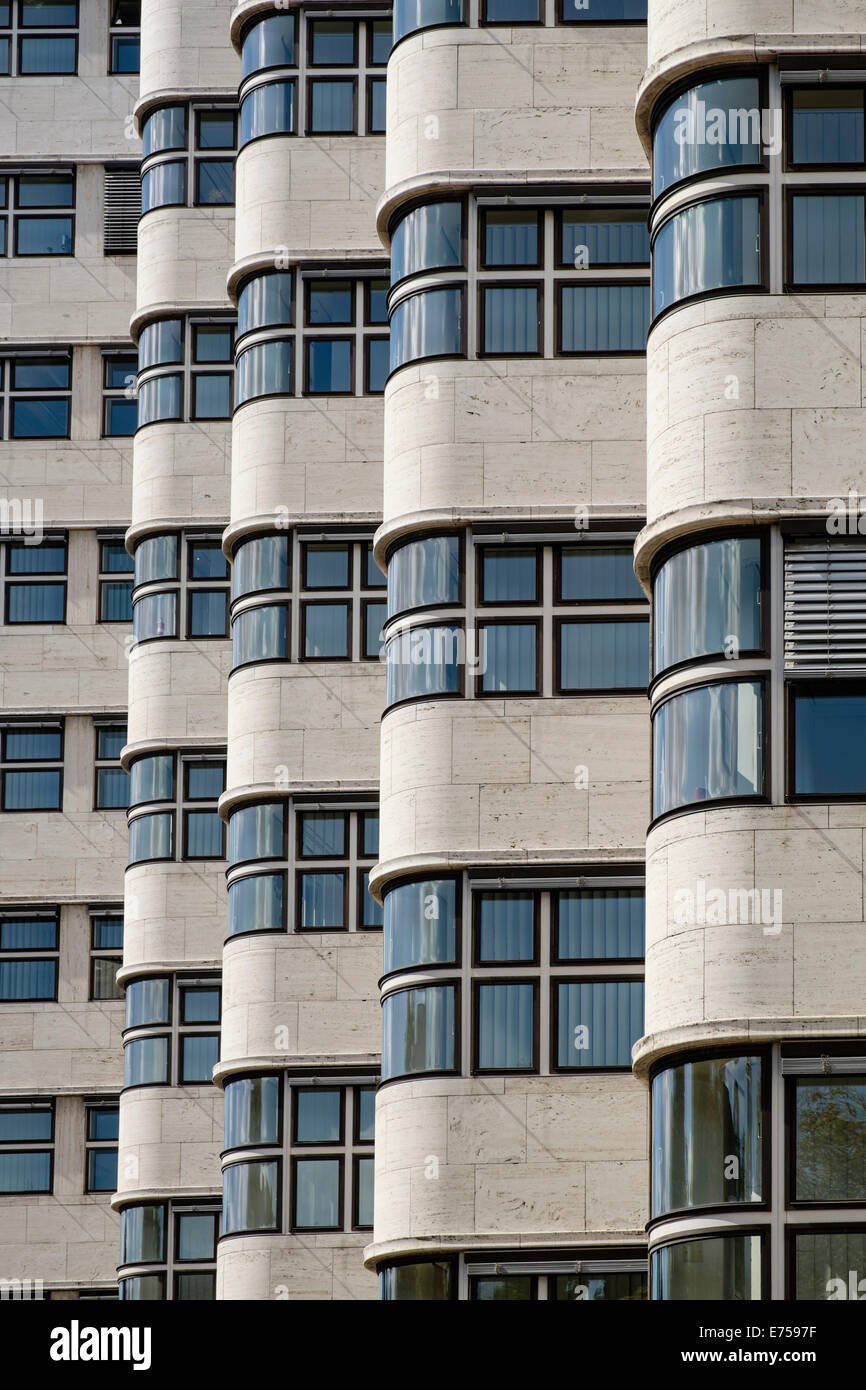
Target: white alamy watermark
(852,1288)
(22,516)
(846,516)
(701,124)
(438,647)
(718,907)
(77,1343)
(24,1290)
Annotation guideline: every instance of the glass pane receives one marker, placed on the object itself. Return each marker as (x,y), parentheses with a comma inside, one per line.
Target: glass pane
(373,578)
(206,561)
(164,185)
(317,1194)
(511,319)
(22,745)
(366,1127)
(707,1123)
(513,1288)
(326,566)
(260,564)
(326,630)
(40,374)
(152,779)
(378,362)
(598,574)
(156,558)
(707,247)
(364,1174)
(708,600)
(164,130)
(107,933)
(372,914)
(595,11)
(199,1055)
(322,900)
(208,612)
(265,370)
(410,15)
(30,934)
(332,106)
(160,343)
(104,983)
(150,838)
(329,366)
(115,602)
(330,301)
(829,749)
(212,343)
(323,835)
(264,301)
(256,904)
(142,1234)
(147,1002)
(604,656)
(216,130)
(711,126)
(424,572)
(215,181)
(506,926)
(830,1139)
(375,616)
(196,1235)
(154,616)
(28,979)
(377,108)
(509,575)
(146,1288)
(200,1005)
(121,417)
(198,1287)
(380,40)
(724,1267)
(418,1031)
(427,325)
(707,744)
(31,791)
(26,1126)
(204,835)
(109,742)
(119,373)
(252,1111)
(43,236)
(616,237)
(25,1172)
(103,1124)
(510,235)
(160,399)
(611,1288)
(102,1170)
(112,788)
(600,923)
(318,1117)
(827,126)
(47,558)
(829,239)
(599,1022)
(604,318)
(45,191)
(829,1265)
(333,42)
(260,634)
(428,237)
(51,16)
(35,603)
(250,1201)
(267,110)
(424,661)
(125,53)
(506,1018)
(420,923)
(40,419)
(256,832)
(428,1280)
(47,55)
(508,657)
(269,44)
(145,1062)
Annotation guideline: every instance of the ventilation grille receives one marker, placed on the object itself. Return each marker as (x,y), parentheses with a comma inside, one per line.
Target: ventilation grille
(122,211)
(825,606)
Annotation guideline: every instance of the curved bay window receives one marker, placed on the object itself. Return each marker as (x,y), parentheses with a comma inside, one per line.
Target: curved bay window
(189,156)
(168,1251)
(312,867)
(411,16)
(730,1268)
(709,600)
(712,245)
(181,587)
(708,746)
(324,599)
(578,945)
(707,128)
(172,1032)
(172,806)
(313,1146)
(185,369)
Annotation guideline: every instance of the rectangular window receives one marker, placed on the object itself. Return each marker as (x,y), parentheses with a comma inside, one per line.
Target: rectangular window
(828,238)
(119,397)
(597,1022)
(106,954)
(828,1264)
(511,320)
(827,738)
(37,214)
(31,768)
(331,1173)
(101,1147)
(603,11)
(505,1016)
(29,955)
(826,126)
(508,658)
(596,654)
(36,396)
(603,237)
(599,924)
(115,591)
(26,1146)
(510,237)
(828,1139)
(125,36)
(38,38)
(34,578)
(603,318)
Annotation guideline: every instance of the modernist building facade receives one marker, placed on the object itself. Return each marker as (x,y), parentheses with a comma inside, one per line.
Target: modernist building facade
(429,542)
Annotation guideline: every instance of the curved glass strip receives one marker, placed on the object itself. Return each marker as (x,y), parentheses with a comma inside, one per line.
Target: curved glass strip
(710,246)
(147,1002)
(425,1281)
(707,1144)
(164,185)
(267,110)
(145,1062)
(428,237)
(265,301)
(251,1196)
(260,634)
(155,615)
(270,43)
(418,1031)
(142,1235)
(423,661)
(265,370)
(707,600)
(164,130)
(155,559)
(411,15)
(708,745)
(427,325)
(151,779)
(160,343)
(159,399)
(256,832)
(424,572)
(260,564)
(150,837)
(256,904)
(420,924)
(722,1267)
(252,1111)
(715,125)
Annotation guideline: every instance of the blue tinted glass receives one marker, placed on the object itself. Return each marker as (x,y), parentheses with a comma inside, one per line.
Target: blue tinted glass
(25,1172)
(424,661)
(380,31)
(420,923)
(604,318)
(604,238)
(707,745)
(154,616)
(597,11)
(260,634)
(511,319)
(207,613)
(707,247)
(250,1200)
(35,603)
(145,1062)
(164,185)
(326,630)
(506,1015)
(256,832)
(142,1234)
(201,1006)
(40,374)
(366,1101)
(375,616)
(326,566)
(370,833)
(365,1170)
(31,791)
(43,13)
(196,1236)
(827,126)
(213,344)
(332,105)
(103,1124)
(40,419)
(207,561)
(376,114)
(216,130)
(427,237)
(102,1170)
(510,237)
(829,239)
(424,572)
(4,54)
(29,934)
(256,904)
(323,834)
(121,417)
(161,342)
(508,656)
(330,301)
(28,979)
(378,354)
(110,742)
(216,181)
(317,1194)
(604,656)
(47,558)
(711,126)
(205,783)
(333,42)
(600,923)
(112,788)
(120,371)
(199,1056)
(264,370)
(509,575)
(318,1117)
(43,236)
(322,905)
(267,110)
(107,933)
(829,744)
(410,15)
(598,574)
(204,835)
(145,1288)
(150,838)
(159,399)
(116,559)
(377,301)
(329,366)
(152,779)
(260,564)
(32,745)
(269,44)
(374,577)
(252,1111)
(704,597)
(599,1021)
(265,300)
(47,55)
(147,1002)
(156,558)
(37,191)
(427,325)
(371,911)
(125,53)
(418,1031)
(164,130)
(506,926)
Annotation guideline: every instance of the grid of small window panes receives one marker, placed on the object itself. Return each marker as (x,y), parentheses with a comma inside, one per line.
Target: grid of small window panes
(181,587)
